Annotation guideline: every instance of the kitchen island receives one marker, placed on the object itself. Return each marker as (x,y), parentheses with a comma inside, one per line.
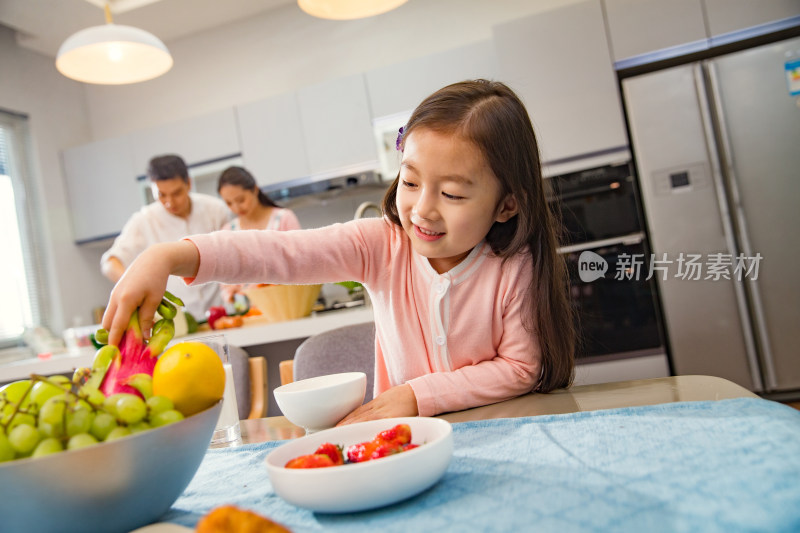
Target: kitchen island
(271,339)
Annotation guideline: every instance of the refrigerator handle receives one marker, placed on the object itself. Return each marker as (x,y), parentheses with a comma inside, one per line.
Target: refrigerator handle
(724,179)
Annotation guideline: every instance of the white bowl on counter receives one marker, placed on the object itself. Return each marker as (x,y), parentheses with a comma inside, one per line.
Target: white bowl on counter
(320,402)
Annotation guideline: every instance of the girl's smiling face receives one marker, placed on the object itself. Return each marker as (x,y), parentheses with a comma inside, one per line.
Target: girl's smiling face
(447,197)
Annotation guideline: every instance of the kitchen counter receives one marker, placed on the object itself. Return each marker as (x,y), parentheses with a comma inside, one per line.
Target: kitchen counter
(254,334)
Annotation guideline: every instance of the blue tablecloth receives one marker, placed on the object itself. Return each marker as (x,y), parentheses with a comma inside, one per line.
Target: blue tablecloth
(730,465)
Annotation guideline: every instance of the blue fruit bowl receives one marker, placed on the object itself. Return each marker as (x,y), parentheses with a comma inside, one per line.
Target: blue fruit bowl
(111,487)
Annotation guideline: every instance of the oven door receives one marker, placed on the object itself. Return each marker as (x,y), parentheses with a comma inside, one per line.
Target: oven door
(617,314)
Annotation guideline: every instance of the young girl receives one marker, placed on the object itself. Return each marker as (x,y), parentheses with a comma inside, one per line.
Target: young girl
(253,210)
(470,297)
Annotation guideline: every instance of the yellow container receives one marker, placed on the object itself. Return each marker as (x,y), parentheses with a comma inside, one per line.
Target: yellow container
(283,302)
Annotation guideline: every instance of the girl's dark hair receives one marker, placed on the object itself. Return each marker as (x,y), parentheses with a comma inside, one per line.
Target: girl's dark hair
(492,117)
(242,178)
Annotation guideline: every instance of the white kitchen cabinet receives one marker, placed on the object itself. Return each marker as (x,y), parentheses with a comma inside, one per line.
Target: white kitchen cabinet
(198,139)
(401,87)
(725,16)
(337,124)
(271,135)
(638,27)
(559,63)
(102,188)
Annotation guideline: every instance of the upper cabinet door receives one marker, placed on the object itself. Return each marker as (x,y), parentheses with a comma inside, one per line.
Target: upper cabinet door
(400,88)
(642,26)
(559,63)
(337,124)
(196,140)
(725,16)
(102,188)
(273,146)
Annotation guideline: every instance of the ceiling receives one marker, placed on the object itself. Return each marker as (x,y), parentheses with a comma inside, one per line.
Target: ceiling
(42,25)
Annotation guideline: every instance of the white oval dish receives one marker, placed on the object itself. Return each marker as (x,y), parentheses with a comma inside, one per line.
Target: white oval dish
(361,486)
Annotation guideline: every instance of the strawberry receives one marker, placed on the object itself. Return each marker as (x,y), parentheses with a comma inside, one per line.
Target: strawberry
(410,446)
(358,453)
(333,451)
(386,448)
(314,460)
(401,434)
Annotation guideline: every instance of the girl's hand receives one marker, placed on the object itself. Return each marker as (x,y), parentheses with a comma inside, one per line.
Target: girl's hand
(144,283)
(397,401)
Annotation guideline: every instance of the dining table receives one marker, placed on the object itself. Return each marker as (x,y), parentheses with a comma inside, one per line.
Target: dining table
(680,453)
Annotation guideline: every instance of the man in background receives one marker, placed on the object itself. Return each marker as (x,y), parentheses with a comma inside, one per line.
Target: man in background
(177,213)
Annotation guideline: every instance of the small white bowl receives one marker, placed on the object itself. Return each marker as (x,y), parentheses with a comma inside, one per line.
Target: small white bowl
(360,486)
(320,402)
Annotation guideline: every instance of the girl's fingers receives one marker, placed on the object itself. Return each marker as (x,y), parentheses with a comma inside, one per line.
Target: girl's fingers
(146,312)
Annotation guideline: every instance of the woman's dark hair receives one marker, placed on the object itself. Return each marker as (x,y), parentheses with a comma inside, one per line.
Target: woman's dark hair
(492,117)
(167,167)
(240,177)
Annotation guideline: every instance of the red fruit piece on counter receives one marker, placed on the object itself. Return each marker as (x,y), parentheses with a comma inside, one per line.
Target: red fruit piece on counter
(314,460)
(333,451)
(401,434)
(358,453)
(215,313)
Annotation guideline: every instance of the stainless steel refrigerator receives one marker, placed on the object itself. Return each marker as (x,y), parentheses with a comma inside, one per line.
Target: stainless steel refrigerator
(717,149)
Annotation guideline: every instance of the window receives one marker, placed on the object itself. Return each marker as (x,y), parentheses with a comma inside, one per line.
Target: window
(22,279)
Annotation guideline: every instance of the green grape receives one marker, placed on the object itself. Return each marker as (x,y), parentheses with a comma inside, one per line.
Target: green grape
(130,409)
(81,440)
(166,417)
(47,446)
(79,420)
(110,403)
(117,433)
(52,412)
(13,392)
(24,438)
(158,404)
(44,390)
(10,396)
(22,418)
(6,450)
(102,425)
(140,426)
(92,395)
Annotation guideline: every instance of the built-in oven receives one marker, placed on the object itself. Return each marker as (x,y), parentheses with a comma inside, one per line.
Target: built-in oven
(621,334)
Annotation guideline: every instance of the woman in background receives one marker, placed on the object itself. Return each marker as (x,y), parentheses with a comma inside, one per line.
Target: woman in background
(253,210)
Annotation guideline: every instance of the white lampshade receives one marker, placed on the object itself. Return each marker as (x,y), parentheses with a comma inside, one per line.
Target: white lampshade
(113,55)
(347,9)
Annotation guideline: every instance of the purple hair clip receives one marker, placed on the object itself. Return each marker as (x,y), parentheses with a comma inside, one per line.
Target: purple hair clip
(399,140)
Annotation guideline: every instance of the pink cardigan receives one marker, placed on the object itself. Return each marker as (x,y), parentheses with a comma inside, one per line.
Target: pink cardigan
(456,338)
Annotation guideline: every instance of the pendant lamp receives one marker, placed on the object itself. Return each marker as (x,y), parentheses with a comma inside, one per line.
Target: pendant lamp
(113,55)
(347,9)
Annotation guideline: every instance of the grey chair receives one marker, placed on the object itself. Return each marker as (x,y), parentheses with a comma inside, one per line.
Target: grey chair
(345,349)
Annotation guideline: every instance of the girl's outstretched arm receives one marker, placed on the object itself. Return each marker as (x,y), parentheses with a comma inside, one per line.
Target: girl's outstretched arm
(394,402)
(144,283)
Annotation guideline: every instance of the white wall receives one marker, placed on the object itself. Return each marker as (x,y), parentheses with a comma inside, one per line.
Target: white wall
(58,116)
(284,49)
(276,52)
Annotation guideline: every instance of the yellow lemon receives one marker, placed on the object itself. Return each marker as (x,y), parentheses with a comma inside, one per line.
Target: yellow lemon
(191,375)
